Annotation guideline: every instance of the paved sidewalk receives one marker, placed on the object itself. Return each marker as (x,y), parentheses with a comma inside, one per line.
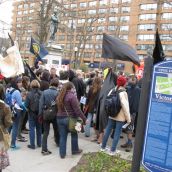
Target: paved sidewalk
(26,160)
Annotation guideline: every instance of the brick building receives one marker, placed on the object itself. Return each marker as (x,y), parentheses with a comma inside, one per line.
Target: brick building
(83,22)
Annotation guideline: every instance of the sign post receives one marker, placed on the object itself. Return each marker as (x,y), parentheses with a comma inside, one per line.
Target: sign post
(157,153)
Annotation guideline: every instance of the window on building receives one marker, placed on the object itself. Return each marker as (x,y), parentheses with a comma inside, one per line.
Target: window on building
(148,6)
(102,11)
(19,12)
(30,18)
(61,37)
(165,37)
(92,4)
(112,28)
(141,56)
(70,37)
(31,11)
(167,47)
(126,1)
(147,17)
(167,6)
(99,37)
(25,12)
(114,1)
(98,46)
(100,28)
(124,18)
(145,37)
(144,46)
(167,16)
(166,26)
(125,9)
(83,4)
(91,11)
(66,6)
(113,10)
(123,37)
(32,5)
(98,55)
(147,27)
(26,6)
(124,28)
(73,5)
(88,46)
(101,20)
(113,19)
(81,21)
(103,2)
(20,6)
(18,25)
(87,54)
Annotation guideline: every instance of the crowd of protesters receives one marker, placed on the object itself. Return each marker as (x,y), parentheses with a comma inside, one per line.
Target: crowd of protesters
(31,96)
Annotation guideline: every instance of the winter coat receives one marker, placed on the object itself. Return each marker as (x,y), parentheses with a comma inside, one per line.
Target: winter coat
(5,117)
(47,97)
(133,92)
(72,107)
(92,100)
(124,114)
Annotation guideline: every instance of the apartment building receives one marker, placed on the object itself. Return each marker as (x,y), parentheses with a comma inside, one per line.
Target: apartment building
(83,23)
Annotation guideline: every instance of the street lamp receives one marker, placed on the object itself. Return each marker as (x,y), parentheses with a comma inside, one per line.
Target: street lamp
(76,50)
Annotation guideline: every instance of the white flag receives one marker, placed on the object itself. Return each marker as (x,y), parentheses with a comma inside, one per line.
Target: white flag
(12,64)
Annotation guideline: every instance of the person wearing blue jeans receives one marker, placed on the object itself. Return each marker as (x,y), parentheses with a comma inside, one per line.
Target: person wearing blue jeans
(62,123)
(34,124)
(15,127)
(117,126)
(116,121)
(88,125)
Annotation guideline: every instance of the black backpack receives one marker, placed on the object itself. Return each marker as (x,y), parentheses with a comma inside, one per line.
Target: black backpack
(113,103)
(34,103)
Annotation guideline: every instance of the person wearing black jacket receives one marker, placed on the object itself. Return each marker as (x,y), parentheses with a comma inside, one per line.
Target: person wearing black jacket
(48,97)
(32,105)
(78,83)
(133,92)
(45,79)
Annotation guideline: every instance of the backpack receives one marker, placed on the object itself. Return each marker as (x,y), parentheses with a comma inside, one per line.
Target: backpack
(8,97)
(112,103)
(34,104)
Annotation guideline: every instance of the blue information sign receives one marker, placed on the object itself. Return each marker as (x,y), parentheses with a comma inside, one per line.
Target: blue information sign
(157,154)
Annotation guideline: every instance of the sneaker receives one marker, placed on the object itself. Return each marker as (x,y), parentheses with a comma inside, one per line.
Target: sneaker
(114,153)
(127,145)
(14,147)
(77,152)
(31,147)
(106,149)
(129,148)
(22,139)
(46,152)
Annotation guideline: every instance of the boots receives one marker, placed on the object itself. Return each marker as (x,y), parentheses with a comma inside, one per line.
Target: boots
(127,146)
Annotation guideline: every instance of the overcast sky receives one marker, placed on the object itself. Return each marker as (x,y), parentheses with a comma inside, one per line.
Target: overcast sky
(6,16)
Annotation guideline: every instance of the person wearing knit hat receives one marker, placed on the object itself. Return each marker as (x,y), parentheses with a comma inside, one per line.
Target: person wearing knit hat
(116,123)
(121,81)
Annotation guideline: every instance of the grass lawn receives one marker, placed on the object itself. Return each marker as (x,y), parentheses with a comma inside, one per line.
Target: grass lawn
(101,162)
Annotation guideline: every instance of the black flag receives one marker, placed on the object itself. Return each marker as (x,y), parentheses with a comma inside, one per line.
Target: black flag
(158,53)
(115,48)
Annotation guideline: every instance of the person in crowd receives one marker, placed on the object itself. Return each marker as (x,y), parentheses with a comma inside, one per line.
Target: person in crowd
(91,105)
(5,123)
(32,105)
(117,122)
(48,97)
(68,105)
(26,86)
(39,73)
(45,80)
(2,92)
(14,88)
(90,81)
(53,73)
(20,137)
(133,92)
(64,78)
(78,83)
